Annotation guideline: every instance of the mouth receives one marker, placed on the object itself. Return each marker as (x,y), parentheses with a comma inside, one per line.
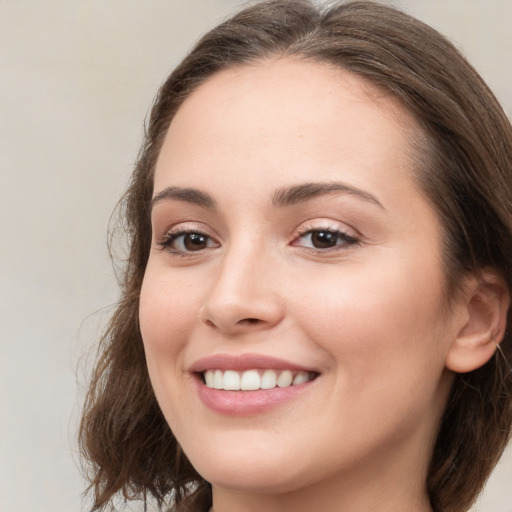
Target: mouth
(255,379)
(249,384)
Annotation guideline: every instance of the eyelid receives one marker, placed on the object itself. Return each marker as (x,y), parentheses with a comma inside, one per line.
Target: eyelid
(184,226)
(326,224)
(173,233)
(346,238)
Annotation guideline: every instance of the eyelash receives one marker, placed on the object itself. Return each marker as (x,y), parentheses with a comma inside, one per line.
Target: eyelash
(336,233)
(170,239)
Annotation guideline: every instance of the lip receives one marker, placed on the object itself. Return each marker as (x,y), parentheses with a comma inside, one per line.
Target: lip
(245,403)
(244,362)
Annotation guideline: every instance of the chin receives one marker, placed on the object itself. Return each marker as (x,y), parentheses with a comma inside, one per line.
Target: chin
(248,470)
(262,478)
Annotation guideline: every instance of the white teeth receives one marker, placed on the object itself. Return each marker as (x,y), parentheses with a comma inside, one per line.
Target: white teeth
(251,380)
(218,379)
(268,379)
(285,379)
(209,378)
(231,380)
(300,378)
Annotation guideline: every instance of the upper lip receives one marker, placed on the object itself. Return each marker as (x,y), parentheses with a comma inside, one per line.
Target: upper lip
(244,362)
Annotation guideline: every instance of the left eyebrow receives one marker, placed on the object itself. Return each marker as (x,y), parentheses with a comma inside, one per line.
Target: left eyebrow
(187,195)
(296,194)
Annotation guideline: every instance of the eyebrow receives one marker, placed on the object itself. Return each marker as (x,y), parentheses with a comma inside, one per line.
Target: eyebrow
(187,195)
(282,197)
(304,192)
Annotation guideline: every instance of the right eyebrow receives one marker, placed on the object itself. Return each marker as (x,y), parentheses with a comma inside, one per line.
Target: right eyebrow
(306,191)
(187,195)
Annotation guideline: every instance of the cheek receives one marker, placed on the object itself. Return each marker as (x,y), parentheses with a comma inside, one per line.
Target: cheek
(168,312)
(385,337)
(377,317)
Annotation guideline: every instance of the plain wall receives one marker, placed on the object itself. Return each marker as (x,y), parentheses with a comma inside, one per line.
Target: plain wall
(76,80)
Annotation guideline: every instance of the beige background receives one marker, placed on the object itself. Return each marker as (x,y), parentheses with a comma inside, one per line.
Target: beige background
(76,80)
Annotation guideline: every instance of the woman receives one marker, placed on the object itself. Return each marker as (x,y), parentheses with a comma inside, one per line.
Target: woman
(314,311)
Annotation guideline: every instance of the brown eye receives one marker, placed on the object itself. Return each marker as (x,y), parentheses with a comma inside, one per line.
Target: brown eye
(188,241)
(195,241)
(325,239)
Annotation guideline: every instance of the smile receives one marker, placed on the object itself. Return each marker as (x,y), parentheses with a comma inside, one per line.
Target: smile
(248,384)
(254,379)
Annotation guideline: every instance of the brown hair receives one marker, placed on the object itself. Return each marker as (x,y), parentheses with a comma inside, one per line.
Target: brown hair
(465,169)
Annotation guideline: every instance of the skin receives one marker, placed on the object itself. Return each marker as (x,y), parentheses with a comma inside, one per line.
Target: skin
(369,317)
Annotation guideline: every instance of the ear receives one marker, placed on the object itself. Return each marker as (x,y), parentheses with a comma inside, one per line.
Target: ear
(486,300)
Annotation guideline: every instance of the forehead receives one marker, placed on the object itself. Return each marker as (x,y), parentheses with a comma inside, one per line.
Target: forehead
(285,114)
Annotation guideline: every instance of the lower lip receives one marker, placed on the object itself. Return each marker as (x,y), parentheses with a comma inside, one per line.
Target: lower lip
(247,403)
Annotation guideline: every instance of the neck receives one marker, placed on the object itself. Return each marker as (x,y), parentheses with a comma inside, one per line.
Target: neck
(369,488)
(248,503)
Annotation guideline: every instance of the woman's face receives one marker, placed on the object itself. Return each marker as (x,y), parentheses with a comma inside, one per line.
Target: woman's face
(291,245)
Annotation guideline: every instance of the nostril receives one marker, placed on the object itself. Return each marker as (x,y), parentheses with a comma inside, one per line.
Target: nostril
(250,320)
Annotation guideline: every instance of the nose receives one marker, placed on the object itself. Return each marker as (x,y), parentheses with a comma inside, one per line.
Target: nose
(244,296)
